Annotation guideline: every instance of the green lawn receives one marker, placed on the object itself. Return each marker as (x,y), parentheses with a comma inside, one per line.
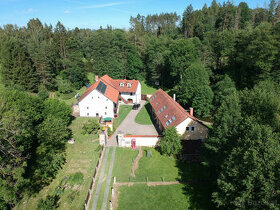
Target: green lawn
(142,197)
(81,157)
(123,163)
(123,112)
(143,117)
(157,167)
(147,89)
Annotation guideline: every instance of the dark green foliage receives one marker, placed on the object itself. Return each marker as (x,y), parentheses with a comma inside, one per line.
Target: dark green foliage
(63,86)
(170,144)
(50,203)
(91,127)
(17,67)
(250,173)
(52,136)
(194,90)
(76,178)
(59,109)
(43,93)
(183,53)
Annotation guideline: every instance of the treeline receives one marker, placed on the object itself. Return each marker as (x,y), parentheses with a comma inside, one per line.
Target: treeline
(33,133)
(223,60)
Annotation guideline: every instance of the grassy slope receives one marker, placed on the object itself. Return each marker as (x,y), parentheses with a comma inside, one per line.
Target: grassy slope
(80,157)
(140,196)
(123,112)
(1,85)
(123,163)
(143,117)
(146,89)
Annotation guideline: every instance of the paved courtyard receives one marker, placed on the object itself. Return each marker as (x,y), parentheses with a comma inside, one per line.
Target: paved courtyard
(129,126)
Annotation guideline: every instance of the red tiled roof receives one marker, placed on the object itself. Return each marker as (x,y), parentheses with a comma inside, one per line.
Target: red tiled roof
(111,92)
(125,88)
(165,108)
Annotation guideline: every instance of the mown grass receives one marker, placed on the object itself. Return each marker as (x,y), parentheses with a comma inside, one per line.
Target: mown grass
(123,163)
(123,112)
(147,89)
(143,117)
(81,159)
(157,167)
(143,197)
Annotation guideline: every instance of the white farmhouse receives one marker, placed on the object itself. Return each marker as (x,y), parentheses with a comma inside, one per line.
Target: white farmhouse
(101,99)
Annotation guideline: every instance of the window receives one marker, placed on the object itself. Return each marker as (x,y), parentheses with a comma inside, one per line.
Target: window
(87,107)
(97,114)
(193,128)
(87,114)
(105,113)
(161,110)
(107,99)
(167,123)
(105,107)
(92,97)
(187,128)
(121,84)
(98,96)
(131,94)
(173,118)
(128,85)
(166,116)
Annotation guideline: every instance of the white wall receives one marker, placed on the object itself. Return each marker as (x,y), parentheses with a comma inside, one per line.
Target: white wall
(143,141)
(138,93)
(136,97)
(96,103)
(181,128)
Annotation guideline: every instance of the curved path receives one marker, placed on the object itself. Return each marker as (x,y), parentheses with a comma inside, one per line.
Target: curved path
(129,126)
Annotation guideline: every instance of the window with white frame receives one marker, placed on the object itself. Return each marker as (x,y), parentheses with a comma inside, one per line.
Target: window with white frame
(121,84)
(128,85)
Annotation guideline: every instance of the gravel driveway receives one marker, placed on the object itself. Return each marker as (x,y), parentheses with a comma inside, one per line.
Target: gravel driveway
(129,126)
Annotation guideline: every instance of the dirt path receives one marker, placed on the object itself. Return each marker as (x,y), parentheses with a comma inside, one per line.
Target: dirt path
(136,161)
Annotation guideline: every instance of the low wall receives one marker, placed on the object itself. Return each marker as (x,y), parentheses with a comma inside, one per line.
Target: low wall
(90,191)
(141,140)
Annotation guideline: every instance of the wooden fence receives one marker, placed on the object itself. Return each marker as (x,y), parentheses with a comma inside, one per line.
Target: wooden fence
(90,191)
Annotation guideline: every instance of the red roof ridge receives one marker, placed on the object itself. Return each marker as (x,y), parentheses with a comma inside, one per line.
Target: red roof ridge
(179,106)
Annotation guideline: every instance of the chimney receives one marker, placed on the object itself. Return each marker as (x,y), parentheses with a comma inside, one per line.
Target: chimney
(96,78)
(174,97)
(191,111)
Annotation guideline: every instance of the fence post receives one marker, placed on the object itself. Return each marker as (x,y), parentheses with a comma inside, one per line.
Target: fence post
(111,205)
(113,192)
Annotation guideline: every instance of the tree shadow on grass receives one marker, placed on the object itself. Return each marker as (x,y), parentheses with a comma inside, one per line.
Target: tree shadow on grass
(197,184)
(149,109)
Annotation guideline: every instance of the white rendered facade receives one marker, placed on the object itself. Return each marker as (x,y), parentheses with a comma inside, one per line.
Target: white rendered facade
(95,104)
(135,97)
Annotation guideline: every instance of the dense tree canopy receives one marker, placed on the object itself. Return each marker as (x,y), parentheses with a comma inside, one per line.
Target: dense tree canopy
(222,59)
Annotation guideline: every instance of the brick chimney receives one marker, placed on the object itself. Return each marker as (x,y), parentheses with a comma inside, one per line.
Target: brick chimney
(191,111)
(96,78)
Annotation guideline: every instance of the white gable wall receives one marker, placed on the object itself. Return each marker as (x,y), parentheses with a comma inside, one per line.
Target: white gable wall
(136,97)
(181,128)
(96,102)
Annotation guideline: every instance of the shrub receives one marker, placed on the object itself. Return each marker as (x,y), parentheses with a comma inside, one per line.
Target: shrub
(170,144)
(110,131)
(50,203)
(76,178)
(91,127)
(43,93)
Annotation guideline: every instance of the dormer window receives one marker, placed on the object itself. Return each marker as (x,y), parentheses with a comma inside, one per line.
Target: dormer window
(121,84)
(128,85)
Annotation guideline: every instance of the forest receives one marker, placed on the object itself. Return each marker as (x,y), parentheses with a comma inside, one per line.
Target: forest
(222,60)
